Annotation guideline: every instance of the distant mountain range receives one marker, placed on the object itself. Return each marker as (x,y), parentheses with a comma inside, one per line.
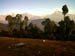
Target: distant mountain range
(56,16)
(31,17)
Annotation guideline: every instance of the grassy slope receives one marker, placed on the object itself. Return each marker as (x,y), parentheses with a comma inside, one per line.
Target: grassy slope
(36,47)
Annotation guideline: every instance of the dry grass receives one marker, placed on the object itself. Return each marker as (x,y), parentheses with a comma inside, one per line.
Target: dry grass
(36,47)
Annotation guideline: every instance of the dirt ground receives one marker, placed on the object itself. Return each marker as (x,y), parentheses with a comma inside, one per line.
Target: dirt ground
(35,47)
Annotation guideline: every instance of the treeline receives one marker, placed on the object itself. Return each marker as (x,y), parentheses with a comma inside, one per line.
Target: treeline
(65,30)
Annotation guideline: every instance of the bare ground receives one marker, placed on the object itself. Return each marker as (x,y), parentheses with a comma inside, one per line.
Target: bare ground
(35,47)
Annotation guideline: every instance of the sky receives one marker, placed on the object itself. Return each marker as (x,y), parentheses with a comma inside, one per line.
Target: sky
(35,7)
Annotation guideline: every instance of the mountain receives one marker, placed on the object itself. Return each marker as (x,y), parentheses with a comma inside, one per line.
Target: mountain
(72,16)
(38,22)
(31,17)
(58,16)
(2,17)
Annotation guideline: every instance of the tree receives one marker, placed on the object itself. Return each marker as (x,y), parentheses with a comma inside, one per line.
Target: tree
(71,33)
(65,10)
(67,19)
(47,26)
(19,18)
(61,30)
(67,23)
(18,21)
(24,22)
(30,28)
(26,18)
(53,26)
(9,19)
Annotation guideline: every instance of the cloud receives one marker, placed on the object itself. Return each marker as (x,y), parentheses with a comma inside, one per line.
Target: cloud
(71,11)
(56,9)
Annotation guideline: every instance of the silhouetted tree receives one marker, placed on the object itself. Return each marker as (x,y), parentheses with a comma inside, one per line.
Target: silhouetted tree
(31,28)
(60,33)
(65,10)
(67,23)
(71,33)
(47,26)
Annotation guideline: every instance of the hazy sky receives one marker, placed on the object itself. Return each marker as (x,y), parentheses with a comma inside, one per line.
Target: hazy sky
(36,7)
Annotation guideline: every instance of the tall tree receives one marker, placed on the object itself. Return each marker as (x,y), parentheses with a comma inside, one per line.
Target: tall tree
(65,10)
(26,19)
(71,27)
(9,19)
(61,30)
(47,26)
(25,22)
(19,18)
(18,21)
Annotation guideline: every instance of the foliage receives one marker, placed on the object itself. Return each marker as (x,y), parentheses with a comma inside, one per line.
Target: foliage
(65,9)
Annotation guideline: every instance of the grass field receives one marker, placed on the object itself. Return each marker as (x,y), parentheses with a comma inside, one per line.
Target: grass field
(35,47)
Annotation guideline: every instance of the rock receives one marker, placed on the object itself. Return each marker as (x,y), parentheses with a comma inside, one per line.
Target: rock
(39,52)
(44,40)
(19,45)
(9,47)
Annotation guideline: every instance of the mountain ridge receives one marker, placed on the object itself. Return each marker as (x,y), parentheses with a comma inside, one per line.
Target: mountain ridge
(56,16)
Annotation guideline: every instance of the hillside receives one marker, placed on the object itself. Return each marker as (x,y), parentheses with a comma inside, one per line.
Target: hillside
(35,47)
(4,27)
